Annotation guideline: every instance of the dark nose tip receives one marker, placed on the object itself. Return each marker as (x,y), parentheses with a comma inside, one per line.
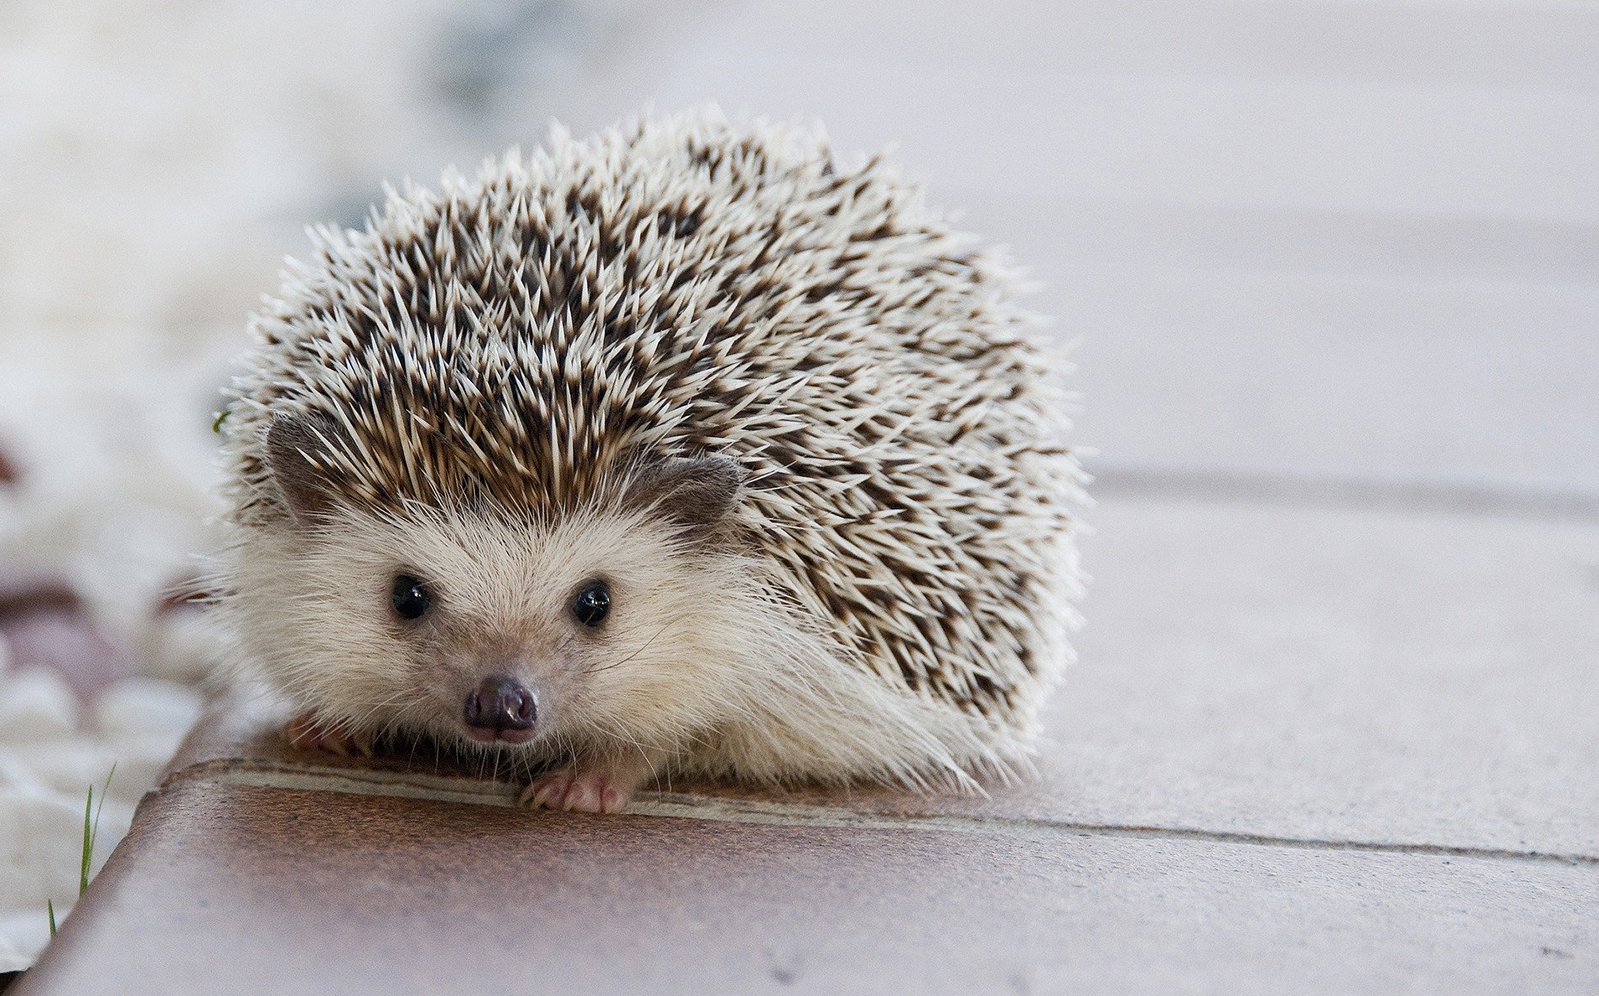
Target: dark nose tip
(500,704)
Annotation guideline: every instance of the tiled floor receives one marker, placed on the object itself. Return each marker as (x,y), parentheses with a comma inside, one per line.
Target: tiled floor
(1308,749)
(231,889)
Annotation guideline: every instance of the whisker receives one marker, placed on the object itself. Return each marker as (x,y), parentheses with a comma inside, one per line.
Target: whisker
(640,650)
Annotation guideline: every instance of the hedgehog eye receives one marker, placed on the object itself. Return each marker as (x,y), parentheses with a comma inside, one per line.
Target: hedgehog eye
(593,603)
(410,597)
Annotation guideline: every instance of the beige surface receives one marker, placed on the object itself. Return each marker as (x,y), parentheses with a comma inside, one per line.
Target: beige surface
(228,889)
(1338,673)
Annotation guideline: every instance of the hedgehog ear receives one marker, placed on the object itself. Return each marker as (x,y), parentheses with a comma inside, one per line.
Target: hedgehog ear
(298,448)
(695,492)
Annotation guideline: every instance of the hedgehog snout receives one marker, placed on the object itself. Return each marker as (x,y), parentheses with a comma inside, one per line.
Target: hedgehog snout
(500,708)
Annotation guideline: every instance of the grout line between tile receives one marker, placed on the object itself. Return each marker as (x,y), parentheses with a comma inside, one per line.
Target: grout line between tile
(678,805)
(1352,494)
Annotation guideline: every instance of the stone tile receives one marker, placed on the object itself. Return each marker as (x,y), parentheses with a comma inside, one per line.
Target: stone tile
(231,889)
(1339,673)
(1030,102)
(1450,379)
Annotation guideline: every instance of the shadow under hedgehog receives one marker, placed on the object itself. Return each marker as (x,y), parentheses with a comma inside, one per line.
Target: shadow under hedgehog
(677,450)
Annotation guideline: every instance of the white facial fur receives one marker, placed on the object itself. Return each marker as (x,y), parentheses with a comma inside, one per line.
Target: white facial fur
(315,609)
(698,661)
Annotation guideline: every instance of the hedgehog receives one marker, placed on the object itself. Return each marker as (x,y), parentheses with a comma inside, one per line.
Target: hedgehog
(678,450)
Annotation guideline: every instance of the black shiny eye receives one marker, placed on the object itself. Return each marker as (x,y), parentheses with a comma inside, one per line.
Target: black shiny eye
(410,597)
(593,603)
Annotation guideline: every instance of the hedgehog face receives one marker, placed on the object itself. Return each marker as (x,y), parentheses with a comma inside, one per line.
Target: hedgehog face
(497,632)
(609,625)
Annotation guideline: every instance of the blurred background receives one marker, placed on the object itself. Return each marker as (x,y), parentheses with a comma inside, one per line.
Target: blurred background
(1352,240)
(1327,248)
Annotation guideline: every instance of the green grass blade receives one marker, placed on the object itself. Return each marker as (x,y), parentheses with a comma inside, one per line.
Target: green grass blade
(88,843)
(91,829)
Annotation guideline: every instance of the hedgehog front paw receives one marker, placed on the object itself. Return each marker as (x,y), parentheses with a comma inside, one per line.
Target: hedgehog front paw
(581,789)
(306,732)
(577,791)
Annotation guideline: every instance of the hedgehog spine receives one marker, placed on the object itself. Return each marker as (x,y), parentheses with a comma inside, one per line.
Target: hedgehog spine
(778,409)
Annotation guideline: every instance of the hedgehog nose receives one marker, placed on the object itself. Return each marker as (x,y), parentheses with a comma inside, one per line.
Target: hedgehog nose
(501,705)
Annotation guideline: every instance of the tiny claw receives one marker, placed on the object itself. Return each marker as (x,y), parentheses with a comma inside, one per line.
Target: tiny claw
(301,733)
(546,792)
(578,790)
(306,732)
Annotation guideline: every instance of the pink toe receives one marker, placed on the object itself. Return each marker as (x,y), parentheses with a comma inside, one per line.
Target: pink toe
(613,799)
(583,797)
